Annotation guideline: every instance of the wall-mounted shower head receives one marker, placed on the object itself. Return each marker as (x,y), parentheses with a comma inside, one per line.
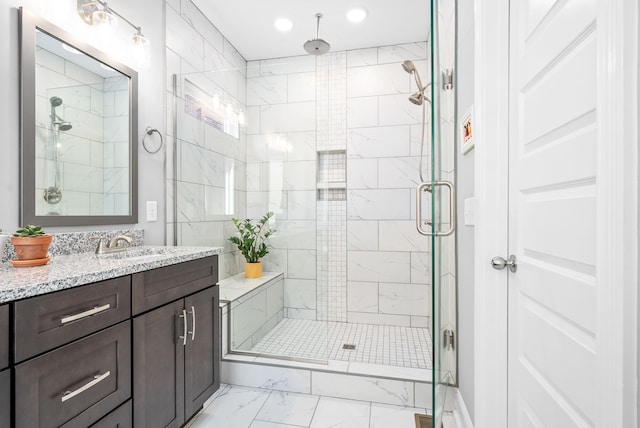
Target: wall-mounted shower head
(409,66)
(64,125)
(317,46)
(55,101)
(417,98)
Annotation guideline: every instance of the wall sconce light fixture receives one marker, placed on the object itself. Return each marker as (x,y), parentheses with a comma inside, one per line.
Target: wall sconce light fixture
(98,13)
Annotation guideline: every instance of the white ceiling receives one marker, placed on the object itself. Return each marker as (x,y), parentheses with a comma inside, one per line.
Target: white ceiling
(248,24)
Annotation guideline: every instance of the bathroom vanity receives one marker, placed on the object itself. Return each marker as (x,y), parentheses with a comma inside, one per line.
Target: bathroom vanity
(128,340)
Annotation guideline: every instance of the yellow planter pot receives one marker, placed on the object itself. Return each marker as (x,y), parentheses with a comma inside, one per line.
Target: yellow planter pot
(253,270)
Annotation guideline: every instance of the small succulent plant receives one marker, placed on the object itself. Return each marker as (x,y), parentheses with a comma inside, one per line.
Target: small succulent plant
(29,231)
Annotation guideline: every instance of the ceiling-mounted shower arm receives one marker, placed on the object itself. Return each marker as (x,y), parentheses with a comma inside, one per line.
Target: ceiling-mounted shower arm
(318,16)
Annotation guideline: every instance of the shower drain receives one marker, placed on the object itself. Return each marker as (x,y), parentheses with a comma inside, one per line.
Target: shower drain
(349,346)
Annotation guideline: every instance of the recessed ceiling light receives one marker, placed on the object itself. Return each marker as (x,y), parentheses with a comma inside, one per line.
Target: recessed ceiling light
(356,15)
(283,24)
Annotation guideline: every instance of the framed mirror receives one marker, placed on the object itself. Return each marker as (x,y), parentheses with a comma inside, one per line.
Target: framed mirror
(79,131)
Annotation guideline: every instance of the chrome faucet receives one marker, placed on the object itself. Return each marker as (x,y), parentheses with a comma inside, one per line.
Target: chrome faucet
(114,245)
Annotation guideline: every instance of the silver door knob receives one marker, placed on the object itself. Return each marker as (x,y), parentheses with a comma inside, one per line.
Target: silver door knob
(498,263)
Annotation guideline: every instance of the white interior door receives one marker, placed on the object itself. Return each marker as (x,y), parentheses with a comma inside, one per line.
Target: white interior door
(553,229)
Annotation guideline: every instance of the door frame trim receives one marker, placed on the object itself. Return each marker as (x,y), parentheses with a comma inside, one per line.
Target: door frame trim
(617,187)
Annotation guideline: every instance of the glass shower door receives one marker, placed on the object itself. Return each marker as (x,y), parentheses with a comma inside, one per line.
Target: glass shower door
(443,251)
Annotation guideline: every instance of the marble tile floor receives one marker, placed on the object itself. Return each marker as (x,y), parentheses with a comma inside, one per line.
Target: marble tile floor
(374,344)
(241,407)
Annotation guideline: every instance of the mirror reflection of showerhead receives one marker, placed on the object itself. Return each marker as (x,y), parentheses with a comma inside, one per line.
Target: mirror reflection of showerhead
(57,121)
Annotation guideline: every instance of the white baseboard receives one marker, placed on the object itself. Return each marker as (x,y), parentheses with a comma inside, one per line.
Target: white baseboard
(460,412)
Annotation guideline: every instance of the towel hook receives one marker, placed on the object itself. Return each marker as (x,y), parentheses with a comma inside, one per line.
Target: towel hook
(150,131)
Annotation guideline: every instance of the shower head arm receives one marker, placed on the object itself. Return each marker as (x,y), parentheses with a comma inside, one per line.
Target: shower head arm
(318,16)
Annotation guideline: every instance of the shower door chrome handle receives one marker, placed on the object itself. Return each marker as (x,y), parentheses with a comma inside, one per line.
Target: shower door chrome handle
(428,187)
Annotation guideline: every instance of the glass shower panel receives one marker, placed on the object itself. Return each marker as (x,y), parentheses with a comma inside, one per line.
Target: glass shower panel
(443,44)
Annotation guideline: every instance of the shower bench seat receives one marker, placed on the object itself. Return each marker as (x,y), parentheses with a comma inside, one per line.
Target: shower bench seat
(251,307)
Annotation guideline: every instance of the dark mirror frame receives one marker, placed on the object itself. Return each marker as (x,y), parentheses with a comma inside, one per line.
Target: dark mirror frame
(28,25)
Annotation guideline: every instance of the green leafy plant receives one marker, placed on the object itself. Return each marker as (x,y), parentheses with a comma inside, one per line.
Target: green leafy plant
(29,231)
(252,241)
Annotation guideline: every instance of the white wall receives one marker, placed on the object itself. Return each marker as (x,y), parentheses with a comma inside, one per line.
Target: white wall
(145,13)
(465,170)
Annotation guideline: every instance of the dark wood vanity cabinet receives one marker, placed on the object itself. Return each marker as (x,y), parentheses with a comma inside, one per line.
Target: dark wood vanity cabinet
(176,361)
(5,373)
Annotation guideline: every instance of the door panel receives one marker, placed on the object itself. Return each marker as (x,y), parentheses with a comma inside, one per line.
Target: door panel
(552,221)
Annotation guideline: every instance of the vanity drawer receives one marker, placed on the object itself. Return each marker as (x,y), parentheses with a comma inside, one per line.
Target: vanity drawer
(156,287)
(45,322)
(76,385)
(4,336)
(122,417)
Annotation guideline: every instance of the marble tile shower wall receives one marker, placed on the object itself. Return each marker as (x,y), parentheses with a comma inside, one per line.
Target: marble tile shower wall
(388,277)
(91,161)
(211,173)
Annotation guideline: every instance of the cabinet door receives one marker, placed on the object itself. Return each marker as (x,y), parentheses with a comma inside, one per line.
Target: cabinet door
(4,336)
(158,367)
(5,398)
(119,418)
(202,355)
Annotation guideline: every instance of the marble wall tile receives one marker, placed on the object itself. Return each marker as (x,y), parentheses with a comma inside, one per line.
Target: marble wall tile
(362,235)
(292,117)
(300,293)
(363,388)
(404,299)
(302,146)
(295,235)
(381,142)
(302,264)
(378,266)
(275,299)
(234,57)
(424,394)
(378,319)
(266,377)
(267,90)
(301,87)
(362,112)
(421,268)
(288,65)
(400,53)
(196,19)
(362,296)
(399,173)
(362,174)
(362,57)
(401,236)
(301,205)
(254,120)
(247,317)
(341,413)
(379,204)
(299,313)
(377,80)
(276,261)
(420,321)
(300,175)
(183,38)
(398,110)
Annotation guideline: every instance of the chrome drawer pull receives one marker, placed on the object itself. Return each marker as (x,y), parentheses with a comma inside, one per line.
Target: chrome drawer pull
(92,311)
(193,319)
(96,380)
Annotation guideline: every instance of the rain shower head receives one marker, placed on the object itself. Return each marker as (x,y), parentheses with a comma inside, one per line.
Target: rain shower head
(317,46)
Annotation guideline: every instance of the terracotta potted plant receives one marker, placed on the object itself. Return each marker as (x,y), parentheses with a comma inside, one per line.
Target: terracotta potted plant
(252,242)
(31,245)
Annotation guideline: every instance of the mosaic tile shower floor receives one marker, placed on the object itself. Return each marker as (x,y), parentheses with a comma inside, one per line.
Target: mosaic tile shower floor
(374,344)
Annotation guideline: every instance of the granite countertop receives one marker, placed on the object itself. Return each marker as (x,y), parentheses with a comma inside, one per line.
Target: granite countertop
(84,268)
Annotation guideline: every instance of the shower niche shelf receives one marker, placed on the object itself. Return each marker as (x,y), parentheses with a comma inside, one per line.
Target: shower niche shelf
(332,175)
